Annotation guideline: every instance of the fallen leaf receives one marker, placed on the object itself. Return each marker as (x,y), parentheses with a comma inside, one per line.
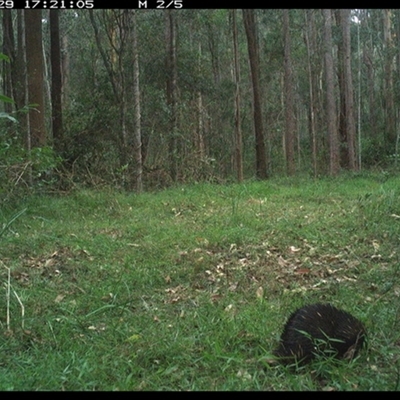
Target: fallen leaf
(59,298)
(50,262)
(243,374)
(302,271)
(233,287)
(281,261)
(375,244)
(229,307)
(294,249)
(215,297)
(260,292)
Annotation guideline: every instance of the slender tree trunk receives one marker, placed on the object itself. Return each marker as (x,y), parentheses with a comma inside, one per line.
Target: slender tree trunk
(343,153)
(170,35)
(371,90)
(290,123)
(238,129)
(251,34)
(8,50)
(388,87)
(199,145)
(311,49)
(56,80)
(65,63)
(348,91)
(330,97)
(137,137)
(20,83)
(34,64)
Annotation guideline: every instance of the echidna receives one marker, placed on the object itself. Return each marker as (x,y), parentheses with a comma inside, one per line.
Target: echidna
(319,329)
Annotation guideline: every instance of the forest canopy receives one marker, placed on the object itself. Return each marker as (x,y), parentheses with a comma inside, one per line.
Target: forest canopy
(141,99)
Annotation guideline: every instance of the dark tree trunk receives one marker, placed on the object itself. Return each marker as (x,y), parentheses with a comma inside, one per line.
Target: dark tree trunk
(290,124)
(137,137)
(34,66)
(8,50)
(310,38)
(251,34)
(170,36)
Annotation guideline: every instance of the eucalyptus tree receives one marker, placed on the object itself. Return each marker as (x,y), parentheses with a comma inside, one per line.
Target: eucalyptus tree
(290,123)
(252,44)
(334,161)
(56,79)
(35,78)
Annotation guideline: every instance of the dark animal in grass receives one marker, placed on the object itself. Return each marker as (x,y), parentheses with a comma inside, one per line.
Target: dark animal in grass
(318,329)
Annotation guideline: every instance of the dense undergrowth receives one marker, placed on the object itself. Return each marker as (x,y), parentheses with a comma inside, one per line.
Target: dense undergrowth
(188,288)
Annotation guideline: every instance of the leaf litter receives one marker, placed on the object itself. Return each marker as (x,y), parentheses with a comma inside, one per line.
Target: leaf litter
(252,268)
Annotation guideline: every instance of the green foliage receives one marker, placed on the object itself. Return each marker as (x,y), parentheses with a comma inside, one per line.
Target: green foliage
(12,219)
(189,288)
(20,168)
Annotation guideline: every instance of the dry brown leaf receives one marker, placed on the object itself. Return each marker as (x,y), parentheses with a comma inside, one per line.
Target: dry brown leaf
(50,262)
(302,271)
(281,261)
(260,292)
(233,287)
(215,297)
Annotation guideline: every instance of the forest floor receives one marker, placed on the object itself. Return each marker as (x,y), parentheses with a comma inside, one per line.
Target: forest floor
(189,288)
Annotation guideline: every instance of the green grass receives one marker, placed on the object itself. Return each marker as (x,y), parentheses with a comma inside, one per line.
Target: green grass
(189,288)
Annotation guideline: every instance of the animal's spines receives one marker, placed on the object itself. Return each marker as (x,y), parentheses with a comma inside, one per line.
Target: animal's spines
(319,329)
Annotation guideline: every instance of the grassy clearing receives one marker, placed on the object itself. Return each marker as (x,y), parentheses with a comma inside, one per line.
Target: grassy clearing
(188,289)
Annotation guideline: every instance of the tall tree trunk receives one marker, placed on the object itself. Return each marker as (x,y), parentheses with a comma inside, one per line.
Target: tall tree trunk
(330,96)
(34,64)
(290,124)
(170,36)
(312,82)
(65,72)
(372,111)
(8,50)
(56,80)
(137,137)
(343,153)
(251,34)
(388,87)
(350,127)
(199,144)
(238,129)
